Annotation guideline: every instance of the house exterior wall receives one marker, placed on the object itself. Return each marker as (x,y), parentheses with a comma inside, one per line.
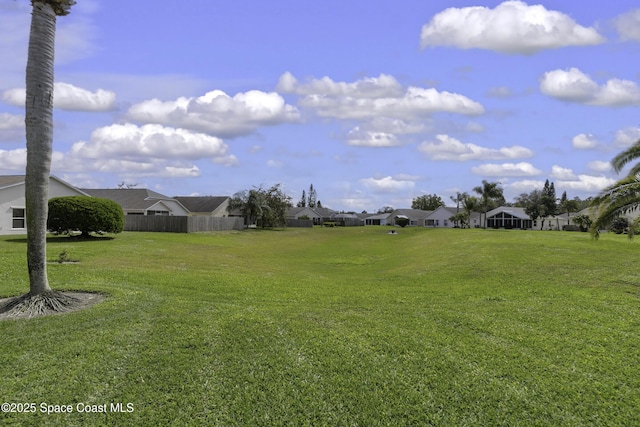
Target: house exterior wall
(174,208)
(13,197)
(439,218)
(221,211)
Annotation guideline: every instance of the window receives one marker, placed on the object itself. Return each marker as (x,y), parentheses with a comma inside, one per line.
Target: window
(18,218)
(160,213)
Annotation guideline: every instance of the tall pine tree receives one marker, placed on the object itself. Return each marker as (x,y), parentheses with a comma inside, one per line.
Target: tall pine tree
(312,197)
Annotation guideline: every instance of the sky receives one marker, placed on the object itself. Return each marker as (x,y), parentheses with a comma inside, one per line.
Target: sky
(374,103)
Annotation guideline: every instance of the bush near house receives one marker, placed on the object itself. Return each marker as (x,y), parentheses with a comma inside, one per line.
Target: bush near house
(402,221)
(619,225)
(85,214)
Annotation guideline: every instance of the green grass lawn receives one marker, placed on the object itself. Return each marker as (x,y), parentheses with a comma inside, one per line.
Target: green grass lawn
(333,326)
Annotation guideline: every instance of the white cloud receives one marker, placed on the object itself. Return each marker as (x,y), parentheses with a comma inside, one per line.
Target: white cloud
(506,169)
(16,160)
(387,184)
(512,27)
(13,159)
(627,137)
(11,121)
(69,97)
(375,98)
(574,86)
(560,173)
(359,138)
(177,172)
(523,186)
(134,143)
(586,183)
(599,166)
(217,113)
(11,127)
(383,86)
(157,168)
(584,141)
(628,25)
(448,148)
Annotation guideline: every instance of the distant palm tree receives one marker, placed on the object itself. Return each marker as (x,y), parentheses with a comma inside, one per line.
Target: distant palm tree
(488,192)
(470,204)
(39,132)
(458,198)
(621,197)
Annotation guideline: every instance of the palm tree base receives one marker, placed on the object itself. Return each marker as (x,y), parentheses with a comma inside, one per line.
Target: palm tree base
(47,303)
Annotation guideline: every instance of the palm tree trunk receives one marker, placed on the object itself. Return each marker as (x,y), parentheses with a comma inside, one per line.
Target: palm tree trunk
(39,129)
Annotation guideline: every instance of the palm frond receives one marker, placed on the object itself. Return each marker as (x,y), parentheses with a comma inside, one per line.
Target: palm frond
(615,201)
(626,156)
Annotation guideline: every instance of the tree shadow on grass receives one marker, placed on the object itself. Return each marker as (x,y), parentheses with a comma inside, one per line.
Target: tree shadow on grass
(64,239)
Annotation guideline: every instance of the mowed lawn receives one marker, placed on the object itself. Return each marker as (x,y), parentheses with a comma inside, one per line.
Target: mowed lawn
(332,326)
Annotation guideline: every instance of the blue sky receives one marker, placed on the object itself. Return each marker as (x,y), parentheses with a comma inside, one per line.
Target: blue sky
(374,103)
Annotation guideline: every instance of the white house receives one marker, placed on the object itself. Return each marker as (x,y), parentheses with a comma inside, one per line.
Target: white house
(12,201)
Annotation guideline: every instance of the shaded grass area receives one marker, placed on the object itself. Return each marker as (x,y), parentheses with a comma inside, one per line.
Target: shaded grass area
(333,327)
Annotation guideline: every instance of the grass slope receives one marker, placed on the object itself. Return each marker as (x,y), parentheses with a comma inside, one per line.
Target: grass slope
(333,327)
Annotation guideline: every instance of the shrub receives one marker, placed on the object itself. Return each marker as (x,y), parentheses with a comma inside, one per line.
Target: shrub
(85,214)
(619,225)
(402,221)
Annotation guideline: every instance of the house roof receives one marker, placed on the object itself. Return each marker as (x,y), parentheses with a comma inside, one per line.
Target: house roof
(411,213)
(11,180)
(515,211)
(201,203)
(129,198)
(375,216)
(7,181)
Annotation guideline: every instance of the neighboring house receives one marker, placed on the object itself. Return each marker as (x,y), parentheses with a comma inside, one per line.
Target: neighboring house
(441,217)
(12,201)
(509,217)
(318,215)
(376,219)
(348,219)
(297,213)
(515,217)
(206,205)
(416,217)
(140,201)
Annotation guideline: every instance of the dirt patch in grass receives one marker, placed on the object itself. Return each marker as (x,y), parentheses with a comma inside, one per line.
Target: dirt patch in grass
(54,302)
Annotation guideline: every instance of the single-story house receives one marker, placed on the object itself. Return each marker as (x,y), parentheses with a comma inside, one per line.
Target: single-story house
(375,219)
(317,215)
(515,217)
(347,219)
(140,201)
(12,200)
(416,217)
(206,205)
(508,217)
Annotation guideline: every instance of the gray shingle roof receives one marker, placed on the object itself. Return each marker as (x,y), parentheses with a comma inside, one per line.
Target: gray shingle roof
(10,180)
(130,198)
(201,203)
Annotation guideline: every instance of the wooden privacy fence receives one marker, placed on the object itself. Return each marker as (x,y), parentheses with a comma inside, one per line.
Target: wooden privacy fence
(181,224)
(304,223)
